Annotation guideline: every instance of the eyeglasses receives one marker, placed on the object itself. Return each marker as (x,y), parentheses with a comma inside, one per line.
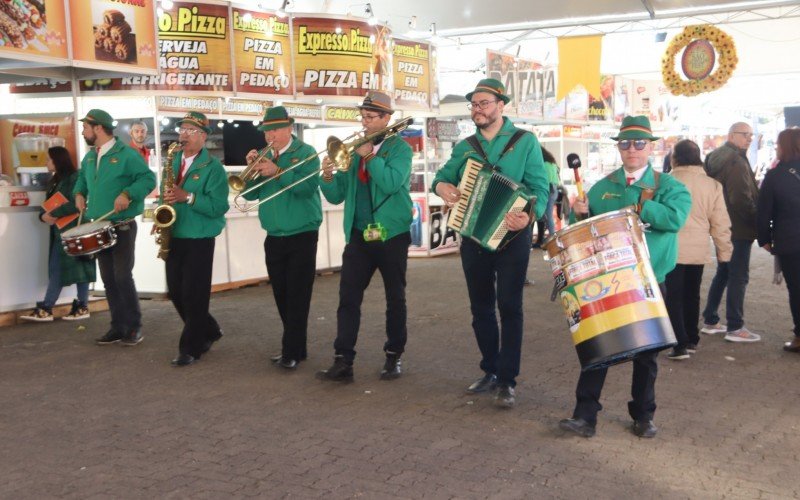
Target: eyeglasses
(188,131)
(480,105)
(638,144)
(749,135)
(369,118)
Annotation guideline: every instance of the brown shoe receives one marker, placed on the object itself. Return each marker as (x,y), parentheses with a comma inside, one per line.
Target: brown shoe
(793,345)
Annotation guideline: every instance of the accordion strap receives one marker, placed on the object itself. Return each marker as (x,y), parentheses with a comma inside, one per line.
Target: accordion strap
(476,145)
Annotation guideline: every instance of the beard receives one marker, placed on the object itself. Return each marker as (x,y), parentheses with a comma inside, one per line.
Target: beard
(488,121)
(90,140)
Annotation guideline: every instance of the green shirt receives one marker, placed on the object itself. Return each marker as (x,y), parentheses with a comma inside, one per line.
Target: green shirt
(298,209)
(205,216)
(553,173)
(522,163)
(389,185)
(121,169)
(665,213)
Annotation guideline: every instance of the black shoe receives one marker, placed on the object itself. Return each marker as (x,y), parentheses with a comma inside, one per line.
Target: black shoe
(678,353)
(340,371)
(132,338)
(111,337)
(184,360)
(577,426)
(210,342)
(691,348)
(286,363)
(392,368)
(505,397)
(644,428)
(276,358)
(484,384)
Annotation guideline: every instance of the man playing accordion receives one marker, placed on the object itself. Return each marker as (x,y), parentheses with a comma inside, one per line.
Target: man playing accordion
(495,279)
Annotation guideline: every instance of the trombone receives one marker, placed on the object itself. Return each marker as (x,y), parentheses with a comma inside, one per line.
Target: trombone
(238,182)
(340,152)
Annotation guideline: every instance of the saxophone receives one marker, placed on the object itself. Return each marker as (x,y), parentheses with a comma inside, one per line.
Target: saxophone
(164,215)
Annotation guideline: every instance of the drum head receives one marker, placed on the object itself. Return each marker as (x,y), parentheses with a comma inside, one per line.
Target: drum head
(84,229)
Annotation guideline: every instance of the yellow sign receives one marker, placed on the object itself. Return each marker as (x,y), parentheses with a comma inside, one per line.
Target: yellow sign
(412,72)
(340,57)
(262,53)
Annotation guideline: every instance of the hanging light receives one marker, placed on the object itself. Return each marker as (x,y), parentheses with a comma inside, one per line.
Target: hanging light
(371,20)
(282,11)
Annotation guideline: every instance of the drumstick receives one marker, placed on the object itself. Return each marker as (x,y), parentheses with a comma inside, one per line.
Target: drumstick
(574,163)
(104,215)
(80,216)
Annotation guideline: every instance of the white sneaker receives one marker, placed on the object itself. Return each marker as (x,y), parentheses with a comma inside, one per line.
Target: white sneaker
(712,329)
(742,335)
(38,314)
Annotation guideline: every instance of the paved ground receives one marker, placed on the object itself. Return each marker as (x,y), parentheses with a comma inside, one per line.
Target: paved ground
(81,421)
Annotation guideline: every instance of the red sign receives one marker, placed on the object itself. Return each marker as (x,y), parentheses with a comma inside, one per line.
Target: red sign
(19,198)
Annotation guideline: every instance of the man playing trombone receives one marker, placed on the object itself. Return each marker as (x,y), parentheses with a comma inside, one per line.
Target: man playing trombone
(292,223)
(377,219)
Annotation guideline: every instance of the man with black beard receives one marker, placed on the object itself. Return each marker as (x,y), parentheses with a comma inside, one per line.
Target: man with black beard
(114,178)
(495,279)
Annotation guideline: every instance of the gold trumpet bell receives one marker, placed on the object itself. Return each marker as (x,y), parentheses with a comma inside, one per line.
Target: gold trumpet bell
(338,153)
(164,216)
(236,183)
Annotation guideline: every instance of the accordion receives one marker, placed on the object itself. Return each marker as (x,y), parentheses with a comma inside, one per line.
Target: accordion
(486,197)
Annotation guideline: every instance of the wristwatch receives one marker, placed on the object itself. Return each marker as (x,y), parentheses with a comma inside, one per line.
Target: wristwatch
(190,199)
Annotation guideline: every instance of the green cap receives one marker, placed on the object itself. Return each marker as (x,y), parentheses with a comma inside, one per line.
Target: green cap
(99,117)
(635,127)
(197,119)
(275,118)
(491,86)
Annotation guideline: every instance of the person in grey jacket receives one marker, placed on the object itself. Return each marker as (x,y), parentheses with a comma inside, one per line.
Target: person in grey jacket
(729,165)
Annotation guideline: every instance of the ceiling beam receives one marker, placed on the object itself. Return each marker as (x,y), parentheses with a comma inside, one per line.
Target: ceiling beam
(649,9)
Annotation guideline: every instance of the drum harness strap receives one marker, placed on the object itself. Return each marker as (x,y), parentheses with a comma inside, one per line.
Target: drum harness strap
(476,145)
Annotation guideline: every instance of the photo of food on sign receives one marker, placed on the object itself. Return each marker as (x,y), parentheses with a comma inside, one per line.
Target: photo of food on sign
(23,23)
(114,37)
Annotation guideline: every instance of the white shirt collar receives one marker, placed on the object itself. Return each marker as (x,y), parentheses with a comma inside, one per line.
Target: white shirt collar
(637,175)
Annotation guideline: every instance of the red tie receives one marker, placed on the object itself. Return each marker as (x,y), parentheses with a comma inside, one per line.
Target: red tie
(630,180)
(363,175)
(180,173)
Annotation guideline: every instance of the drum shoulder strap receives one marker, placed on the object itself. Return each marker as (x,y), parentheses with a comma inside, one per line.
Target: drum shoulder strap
(476,144)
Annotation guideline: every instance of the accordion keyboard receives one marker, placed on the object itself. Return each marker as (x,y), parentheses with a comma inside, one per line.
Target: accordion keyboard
(465,187)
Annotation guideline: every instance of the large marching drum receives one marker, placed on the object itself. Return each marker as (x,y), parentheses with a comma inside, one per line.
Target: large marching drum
(613,305)
(89,238)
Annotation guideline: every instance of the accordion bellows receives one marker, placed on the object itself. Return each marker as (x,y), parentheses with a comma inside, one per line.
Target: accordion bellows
(486,197)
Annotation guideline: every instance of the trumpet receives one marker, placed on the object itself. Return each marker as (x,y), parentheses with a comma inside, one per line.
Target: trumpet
(238,182)
(338,151)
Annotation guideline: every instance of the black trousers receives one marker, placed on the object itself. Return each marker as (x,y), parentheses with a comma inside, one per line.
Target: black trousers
(291,264)
(790,264)
(116,269)
(359,262)
(683,302)
(189,267)
(643,388)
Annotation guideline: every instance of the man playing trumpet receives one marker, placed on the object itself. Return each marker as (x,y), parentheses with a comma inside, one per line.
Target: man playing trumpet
(292,223)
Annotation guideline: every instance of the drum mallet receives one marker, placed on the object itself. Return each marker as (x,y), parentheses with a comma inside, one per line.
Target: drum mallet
(574,163)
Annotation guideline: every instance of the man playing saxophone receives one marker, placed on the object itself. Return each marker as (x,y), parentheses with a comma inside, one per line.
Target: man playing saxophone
(292,222)
(200,198)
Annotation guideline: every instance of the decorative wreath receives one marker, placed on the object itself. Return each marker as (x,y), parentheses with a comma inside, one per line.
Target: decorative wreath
(711,43)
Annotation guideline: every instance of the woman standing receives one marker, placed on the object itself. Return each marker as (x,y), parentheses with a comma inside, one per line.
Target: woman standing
(554,178)
(779,220)
(62,269)
(707,217)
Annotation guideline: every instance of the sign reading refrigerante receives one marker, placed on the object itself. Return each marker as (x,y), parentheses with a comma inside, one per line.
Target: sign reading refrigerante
(340,57)
(412,74)
(262,53)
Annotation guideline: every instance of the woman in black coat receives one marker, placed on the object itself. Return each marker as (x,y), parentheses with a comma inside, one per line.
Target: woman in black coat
(779,220)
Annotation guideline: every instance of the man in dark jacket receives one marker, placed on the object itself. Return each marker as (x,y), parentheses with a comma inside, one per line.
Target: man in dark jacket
(729,165)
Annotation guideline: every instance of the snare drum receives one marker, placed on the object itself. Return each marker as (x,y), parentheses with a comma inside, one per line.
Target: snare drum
(89,238)
(612,301)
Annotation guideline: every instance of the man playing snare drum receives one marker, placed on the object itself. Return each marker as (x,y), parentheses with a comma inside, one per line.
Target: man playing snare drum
(664,203)
(114,177)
